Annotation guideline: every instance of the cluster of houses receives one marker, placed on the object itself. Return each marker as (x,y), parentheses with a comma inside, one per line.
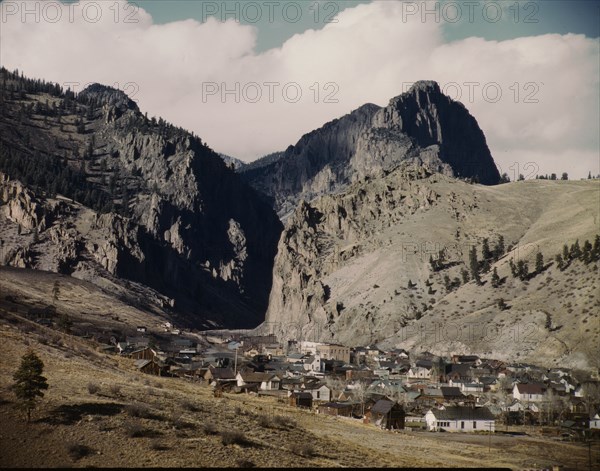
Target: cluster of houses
(387,388)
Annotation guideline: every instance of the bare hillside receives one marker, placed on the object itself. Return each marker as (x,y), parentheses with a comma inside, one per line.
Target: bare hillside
(345,263)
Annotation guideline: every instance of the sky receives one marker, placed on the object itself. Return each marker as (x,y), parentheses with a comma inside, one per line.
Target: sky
(252,77)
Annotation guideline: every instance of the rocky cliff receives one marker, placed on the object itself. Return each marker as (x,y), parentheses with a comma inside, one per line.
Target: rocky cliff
(149,203)
(422,125)
(355,268)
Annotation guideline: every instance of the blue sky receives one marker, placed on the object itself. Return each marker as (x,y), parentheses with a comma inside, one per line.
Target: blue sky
(525,18)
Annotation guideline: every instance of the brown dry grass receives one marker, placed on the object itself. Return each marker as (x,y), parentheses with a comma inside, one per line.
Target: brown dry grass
(176,423)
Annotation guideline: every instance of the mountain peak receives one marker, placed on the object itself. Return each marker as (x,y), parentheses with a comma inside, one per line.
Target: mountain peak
(429,86)
(109,96)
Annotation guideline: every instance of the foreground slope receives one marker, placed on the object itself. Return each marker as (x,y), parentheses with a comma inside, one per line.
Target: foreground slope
(95,189)
(355,268)
(135,420)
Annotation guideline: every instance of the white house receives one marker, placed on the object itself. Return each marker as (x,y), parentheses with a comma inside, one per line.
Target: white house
(460,419)
(531,392)
(419,372)
(319,392)
(595,421)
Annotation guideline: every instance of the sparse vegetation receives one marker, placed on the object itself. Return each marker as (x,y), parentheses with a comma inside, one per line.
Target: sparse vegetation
(303,449)
(210,428)
(138,410)
(137,430)
(78,451)
(234,437)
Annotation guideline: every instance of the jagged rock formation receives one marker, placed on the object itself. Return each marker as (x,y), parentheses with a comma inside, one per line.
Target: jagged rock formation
(159,207)
(232,162)
(354,268)
(422,125)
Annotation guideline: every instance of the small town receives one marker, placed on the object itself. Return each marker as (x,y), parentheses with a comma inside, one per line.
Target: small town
(388,389)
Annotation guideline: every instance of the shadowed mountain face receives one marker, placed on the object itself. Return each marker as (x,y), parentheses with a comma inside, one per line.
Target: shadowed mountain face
(150,203)
(422,125)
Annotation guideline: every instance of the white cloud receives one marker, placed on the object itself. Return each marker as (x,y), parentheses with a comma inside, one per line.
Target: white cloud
(368,54)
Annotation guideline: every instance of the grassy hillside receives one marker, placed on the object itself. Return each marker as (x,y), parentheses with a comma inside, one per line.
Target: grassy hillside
(99,411)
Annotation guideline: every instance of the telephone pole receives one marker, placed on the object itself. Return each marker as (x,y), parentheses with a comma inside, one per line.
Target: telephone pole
(235,362)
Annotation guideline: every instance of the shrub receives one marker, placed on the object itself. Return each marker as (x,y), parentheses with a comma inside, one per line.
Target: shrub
(138,410)
(135,430)
(189,405)
(157,445)
(78,451)
(233,437)
(282,421)
(115,389)
(210,429)
(93,388)
(303,449)
(241,463)
(264,421)
(180,424)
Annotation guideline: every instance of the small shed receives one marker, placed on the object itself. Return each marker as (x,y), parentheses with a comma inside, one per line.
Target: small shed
(148,366)
(387,414)
(301,399)
(343,409)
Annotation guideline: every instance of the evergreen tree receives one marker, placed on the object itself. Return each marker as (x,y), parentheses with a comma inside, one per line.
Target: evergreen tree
(486,253)
(539,262)
(513,268)
(502,305)
(499,249)
(474,265)
(29,382)
(495,278)
(565,254)
(447,283)
(564,176)
(432,263)
(596,248)
(465,275)
(586,253)
(575,251)
(559,262)
(522,270)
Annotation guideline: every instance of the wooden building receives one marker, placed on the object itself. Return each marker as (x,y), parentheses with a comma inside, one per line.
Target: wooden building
(387,414)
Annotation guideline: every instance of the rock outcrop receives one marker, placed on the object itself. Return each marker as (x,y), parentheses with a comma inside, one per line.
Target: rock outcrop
(422,125)
(158,206)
